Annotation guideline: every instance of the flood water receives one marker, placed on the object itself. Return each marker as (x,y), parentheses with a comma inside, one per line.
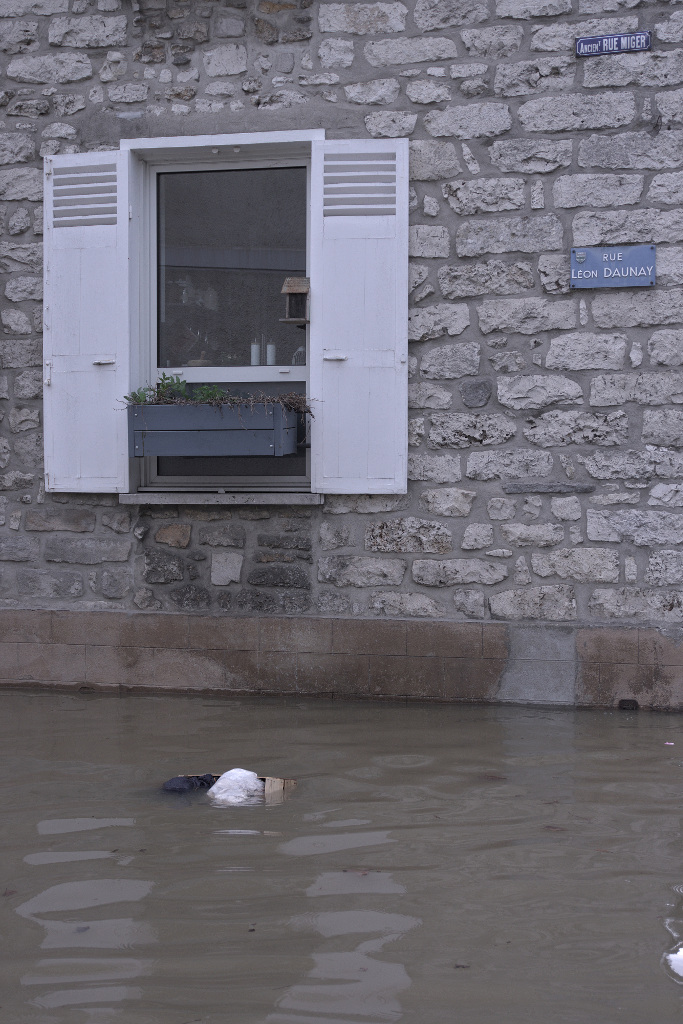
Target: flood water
(464,865)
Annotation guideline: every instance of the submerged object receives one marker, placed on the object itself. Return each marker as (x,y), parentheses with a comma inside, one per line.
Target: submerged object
(186,783)
(238,786)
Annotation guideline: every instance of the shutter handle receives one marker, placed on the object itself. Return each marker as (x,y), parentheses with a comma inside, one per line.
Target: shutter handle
(336,357)
(103,362)
(47,381)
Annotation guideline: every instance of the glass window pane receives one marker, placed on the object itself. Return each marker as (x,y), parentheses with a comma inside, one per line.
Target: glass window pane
(227,240)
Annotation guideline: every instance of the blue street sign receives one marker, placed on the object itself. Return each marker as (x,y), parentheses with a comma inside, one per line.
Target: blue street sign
(614,266)
(628,42)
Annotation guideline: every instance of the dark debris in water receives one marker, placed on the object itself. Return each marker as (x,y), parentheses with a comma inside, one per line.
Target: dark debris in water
(187,783)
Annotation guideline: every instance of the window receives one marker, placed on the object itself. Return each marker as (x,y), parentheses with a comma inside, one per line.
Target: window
(170,255)
(226,239)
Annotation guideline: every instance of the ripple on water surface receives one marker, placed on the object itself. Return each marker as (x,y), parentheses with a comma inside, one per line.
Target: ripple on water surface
(434,864)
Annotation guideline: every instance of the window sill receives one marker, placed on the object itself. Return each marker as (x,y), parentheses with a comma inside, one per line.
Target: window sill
(212,498)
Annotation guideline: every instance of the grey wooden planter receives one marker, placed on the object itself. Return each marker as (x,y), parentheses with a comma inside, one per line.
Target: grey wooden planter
(210,430)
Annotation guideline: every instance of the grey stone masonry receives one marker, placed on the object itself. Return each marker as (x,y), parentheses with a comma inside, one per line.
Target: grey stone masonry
(545,474)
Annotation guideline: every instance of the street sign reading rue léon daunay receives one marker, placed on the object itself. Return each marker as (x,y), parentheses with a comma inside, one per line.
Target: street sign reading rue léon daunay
(615,266)
(627,42)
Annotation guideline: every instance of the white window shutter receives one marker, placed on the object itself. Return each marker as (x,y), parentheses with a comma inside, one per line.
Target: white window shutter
(87,321)
(359,314)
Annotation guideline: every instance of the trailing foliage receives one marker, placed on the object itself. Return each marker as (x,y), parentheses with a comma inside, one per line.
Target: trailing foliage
(176,391)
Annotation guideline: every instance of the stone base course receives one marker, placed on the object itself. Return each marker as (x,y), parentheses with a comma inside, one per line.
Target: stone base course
(482,662)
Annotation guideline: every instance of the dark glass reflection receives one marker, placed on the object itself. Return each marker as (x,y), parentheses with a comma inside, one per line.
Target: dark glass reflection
(227,240)
(246,466)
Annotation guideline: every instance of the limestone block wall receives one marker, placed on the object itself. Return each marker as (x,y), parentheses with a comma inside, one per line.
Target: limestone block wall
(546,427)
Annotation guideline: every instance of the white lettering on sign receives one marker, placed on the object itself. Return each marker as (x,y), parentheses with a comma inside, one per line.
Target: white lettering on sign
(612,256)
(612,44)
(627,271)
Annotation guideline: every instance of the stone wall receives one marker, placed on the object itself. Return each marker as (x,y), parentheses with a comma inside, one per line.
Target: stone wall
(546,429)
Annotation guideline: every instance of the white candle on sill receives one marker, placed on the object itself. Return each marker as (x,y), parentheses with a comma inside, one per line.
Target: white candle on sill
(270,354)
(255,353)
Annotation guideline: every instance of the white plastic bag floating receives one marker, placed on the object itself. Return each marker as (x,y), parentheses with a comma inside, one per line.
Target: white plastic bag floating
(238,786)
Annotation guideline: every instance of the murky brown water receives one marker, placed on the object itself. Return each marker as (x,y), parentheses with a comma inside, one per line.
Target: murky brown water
(435,864)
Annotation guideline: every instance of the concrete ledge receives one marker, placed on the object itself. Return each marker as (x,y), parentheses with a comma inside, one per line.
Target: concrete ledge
(490,662)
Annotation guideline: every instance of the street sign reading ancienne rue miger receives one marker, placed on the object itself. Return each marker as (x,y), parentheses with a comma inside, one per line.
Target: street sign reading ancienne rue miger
(615,266)
(627,42)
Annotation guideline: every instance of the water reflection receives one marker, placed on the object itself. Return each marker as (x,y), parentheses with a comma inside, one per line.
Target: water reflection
(77,969)
(65,858)
(355,984)
(60,826)
(306,846)
(82,895)
(348,985)
(78,996)
(50,972)
(349,922)
(85,933)
(344,883)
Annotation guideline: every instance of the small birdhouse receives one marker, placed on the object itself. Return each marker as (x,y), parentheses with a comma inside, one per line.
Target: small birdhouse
(296,290)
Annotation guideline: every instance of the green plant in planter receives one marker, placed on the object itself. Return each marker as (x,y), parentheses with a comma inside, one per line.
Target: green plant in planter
(211,394)
(174,391)
(166,391)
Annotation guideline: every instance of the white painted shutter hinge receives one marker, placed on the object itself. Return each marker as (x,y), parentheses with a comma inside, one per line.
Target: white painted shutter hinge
(47,380)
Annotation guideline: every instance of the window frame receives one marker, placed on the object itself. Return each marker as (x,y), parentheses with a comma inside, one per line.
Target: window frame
(209,374)
(148,478)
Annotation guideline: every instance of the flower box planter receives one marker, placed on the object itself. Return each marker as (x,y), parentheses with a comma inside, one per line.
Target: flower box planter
(261,429)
